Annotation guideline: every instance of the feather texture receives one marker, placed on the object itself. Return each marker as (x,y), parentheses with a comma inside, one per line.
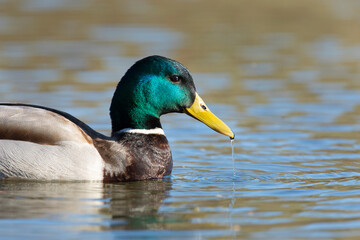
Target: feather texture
(37,143)
(45,144)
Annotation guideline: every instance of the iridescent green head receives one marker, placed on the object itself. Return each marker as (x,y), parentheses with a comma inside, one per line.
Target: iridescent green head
(151,87)
(154,86)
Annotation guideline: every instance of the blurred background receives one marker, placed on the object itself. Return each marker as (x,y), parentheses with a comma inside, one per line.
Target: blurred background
(284,75)
(237,50)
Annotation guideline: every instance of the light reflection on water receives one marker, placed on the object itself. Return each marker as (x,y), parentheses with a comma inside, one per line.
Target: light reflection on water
(288,87)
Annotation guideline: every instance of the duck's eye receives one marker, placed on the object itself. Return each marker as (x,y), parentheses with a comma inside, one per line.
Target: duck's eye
(175,78)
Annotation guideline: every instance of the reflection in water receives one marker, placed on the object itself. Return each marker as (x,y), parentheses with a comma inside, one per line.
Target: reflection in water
(40,199)
(136,205)
(133,205)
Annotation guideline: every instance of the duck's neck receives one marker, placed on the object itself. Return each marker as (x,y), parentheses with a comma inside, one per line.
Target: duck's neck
(132,107)
(133,119)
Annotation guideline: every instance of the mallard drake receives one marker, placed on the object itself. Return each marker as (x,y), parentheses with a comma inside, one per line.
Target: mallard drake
(41,143)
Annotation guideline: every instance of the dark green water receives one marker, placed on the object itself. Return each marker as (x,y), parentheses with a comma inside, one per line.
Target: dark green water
(284,75)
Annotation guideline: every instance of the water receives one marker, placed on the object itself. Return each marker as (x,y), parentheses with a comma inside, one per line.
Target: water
(283,76)
(232,156)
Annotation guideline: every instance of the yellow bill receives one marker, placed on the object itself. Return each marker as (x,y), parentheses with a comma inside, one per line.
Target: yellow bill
(201,112)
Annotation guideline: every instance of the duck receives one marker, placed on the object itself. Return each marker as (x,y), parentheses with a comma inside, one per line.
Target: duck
(41,143)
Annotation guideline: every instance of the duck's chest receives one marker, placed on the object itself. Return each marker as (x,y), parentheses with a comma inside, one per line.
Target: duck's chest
(138,157)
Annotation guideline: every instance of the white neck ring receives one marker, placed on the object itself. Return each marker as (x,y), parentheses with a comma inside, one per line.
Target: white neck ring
(158,131)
